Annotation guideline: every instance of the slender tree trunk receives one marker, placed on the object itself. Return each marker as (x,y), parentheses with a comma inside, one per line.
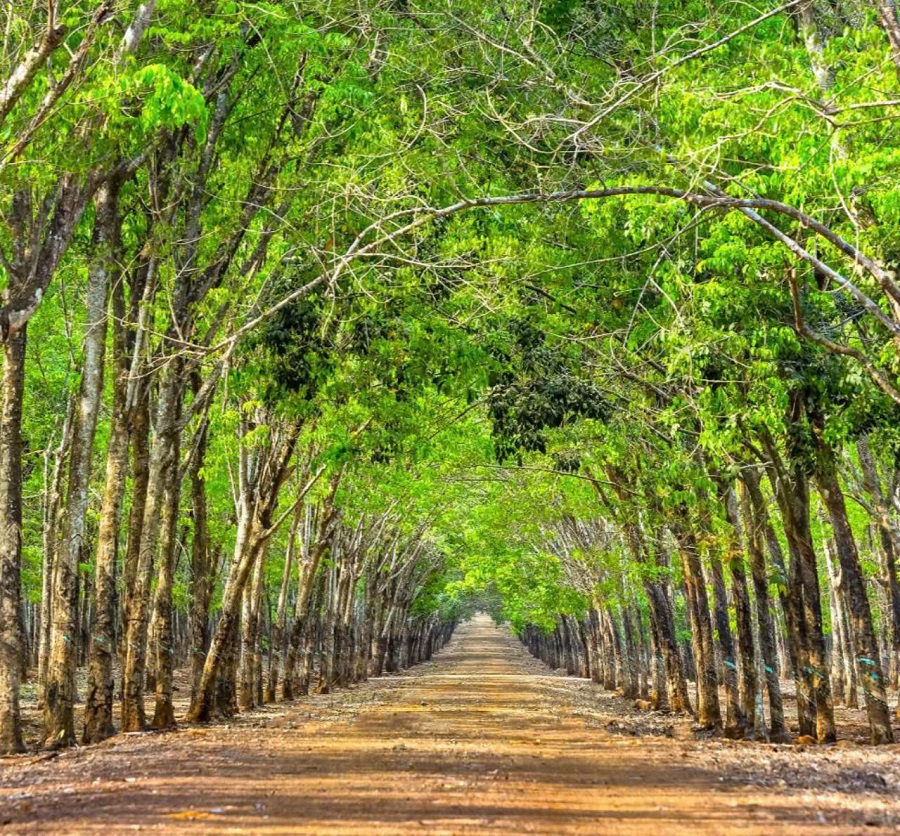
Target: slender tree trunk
(761,512)
(676,679)
(225,685)
(201,568)
(60,694)
(865,643)
(140,468)
(310,636)
(164,709)
(307,578)
(735,721)
(890,545)
(708,711)
(98,716)
(840,684)
(52,509)
(748,684)
(892,616)
(278,627)
(662,622)
(805,589)
(630,672)
(13,389)
(226,632)
(250,636)
(161,459)
(767,642)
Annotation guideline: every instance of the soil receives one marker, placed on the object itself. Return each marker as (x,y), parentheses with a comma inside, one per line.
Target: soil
(481,739)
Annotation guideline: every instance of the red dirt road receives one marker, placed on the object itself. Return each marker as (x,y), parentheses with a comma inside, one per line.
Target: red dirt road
(481,739)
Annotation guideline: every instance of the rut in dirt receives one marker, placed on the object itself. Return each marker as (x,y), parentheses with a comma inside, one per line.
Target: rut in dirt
(483,738)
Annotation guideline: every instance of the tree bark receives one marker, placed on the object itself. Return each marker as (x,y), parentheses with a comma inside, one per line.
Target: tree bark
(201,561)
(865,642)
(734,558)
(60,694)
(140,469)
(164,709)
(751,480)
(13,389)
(708,711)
(52,503)
(98,716)
(843,672)
(890,547)
(767,642)
(225,635)
(278,627)
(161,459)
(735,721)
(250,636)
(812,677)
(890,22)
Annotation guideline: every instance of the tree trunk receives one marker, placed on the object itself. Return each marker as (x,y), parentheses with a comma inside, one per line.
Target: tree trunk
(662,622)
(676,679)
(890,22)
(164,710)
(865,643)
(306,580)
(52,503)
(60,693)
(804,586)
(247,550)
(843,678)
(250,634)
(890,547)
(161,459)
(708,711)
(751,480)
(278,628)
(13,389)
(98,715)
(201,567)
(140,468)
(748,684)
(767,644)
(735,721)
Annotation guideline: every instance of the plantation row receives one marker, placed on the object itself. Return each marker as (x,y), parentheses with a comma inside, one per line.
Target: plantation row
(742,644)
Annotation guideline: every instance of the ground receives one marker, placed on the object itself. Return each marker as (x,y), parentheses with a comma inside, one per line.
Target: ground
(481,739)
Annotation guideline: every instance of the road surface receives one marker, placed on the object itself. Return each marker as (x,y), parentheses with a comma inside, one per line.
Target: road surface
(481,739)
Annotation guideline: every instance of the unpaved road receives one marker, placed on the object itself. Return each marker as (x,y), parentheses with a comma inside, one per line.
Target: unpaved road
(481,739)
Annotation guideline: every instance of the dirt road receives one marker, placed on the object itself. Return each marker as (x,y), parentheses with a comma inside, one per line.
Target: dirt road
(481,739)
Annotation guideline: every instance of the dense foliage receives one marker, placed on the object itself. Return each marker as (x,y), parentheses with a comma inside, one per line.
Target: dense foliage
(325,324)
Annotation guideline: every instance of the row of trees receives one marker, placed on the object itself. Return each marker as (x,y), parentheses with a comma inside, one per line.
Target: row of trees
(185,400)
(712,618)
(301,302)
